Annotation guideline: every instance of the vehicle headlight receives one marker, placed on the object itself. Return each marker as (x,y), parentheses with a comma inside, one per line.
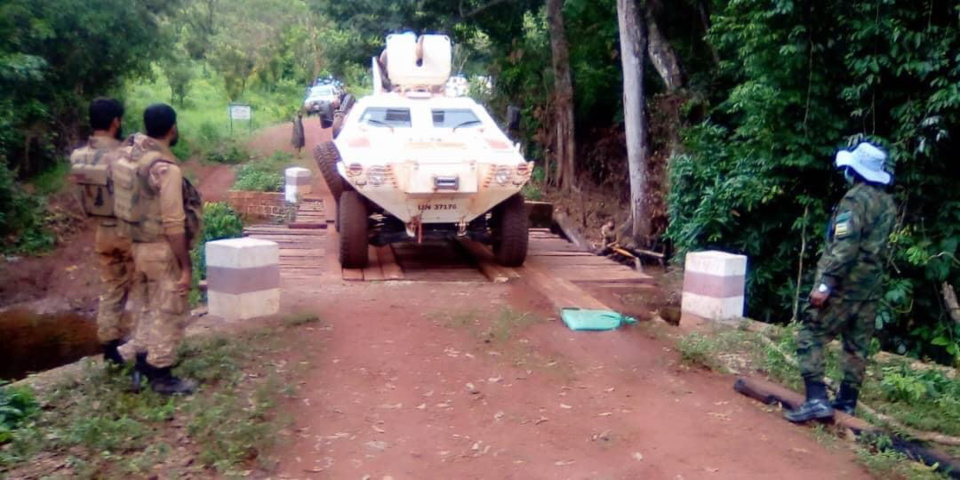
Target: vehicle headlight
(504,174)
(376,175)
(355,169)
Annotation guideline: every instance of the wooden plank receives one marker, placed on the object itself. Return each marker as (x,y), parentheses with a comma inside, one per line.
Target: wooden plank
(353,274)
(308,226)
(591,276)
(285,232)
(289,238)
(309,245)
(373,272)
(302,252)
(555,241)
(574,260)
(486,262)
(465,275)
(560,292)
(534,247)
(547,253)
(388,263)
(294,261)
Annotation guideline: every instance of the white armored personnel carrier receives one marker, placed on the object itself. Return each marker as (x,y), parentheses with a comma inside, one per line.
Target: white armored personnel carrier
(410,163)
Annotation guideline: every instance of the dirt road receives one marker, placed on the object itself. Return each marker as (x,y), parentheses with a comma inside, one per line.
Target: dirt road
(475,380)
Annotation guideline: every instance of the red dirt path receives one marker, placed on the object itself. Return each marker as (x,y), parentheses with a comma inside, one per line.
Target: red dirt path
(420,380)
(388,393)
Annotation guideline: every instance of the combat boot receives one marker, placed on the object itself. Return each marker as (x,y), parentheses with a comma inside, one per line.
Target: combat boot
(111,356)
(141,371)
(164,382)
(846,400)
(817,406)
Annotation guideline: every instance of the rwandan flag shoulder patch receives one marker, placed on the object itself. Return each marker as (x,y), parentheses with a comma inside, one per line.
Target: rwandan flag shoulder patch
(843,225)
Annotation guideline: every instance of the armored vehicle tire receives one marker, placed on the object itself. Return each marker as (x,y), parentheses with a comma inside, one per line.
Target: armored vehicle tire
(326,115)
(327,156)
(352,214)
(513,236)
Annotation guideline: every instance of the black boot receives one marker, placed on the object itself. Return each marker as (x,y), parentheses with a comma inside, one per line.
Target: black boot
(111,356)
(817,406)
(164,382)
(846,400)
(141,371)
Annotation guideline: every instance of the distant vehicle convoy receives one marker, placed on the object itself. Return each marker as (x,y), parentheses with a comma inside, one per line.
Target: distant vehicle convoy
(321,98)
(410,163)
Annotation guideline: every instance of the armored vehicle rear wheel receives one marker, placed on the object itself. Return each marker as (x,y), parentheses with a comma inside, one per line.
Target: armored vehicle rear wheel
(352,214)
(512,236)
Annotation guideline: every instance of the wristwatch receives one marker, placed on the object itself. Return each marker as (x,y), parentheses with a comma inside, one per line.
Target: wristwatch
(823,288)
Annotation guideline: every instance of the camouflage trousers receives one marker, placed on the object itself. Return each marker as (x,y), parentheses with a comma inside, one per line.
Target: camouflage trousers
(854,321)
(116,272)
(162,320)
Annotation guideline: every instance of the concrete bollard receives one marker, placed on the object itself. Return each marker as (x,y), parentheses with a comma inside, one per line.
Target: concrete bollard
(243,278)
(713,285)
(298,183)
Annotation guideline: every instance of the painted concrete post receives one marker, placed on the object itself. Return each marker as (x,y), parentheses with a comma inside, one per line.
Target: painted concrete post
(298,183)
(243,278)
(713,285)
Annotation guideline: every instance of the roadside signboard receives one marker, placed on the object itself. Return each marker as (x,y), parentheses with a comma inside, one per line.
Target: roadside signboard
(238,111)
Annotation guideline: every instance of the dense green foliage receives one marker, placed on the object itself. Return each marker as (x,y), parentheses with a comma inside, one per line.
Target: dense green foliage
(220,221)
(799,81)
(50,66)
(264,174)
(253,178)
(17,405)
(21,217)
(96,428)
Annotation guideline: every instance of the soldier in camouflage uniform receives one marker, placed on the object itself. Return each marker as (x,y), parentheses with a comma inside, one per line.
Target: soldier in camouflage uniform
(161,212)
(848,287)
(90,171)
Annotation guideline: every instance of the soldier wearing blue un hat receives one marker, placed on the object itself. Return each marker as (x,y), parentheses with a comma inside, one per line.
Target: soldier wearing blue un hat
(848,283)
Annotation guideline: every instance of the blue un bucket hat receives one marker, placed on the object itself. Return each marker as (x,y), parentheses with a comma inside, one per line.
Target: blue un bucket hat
(867,160)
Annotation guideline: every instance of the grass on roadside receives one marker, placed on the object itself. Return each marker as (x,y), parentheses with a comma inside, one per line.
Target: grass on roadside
(91,426)
(923,399)
(264,174)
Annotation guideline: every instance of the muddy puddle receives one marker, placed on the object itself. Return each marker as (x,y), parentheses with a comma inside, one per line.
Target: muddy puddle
(31,343)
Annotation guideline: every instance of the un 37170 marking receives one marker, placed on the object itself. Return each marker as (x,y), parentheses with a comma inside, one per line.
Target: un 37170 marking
(436,207)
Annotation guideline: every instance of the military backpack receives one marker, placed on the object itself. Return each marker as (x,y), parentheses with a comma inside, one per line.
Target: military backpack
(134,193)
(90,174)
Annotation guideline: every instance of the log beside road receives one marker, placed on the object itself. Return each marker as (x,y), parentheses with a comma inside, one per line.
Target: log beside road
(771,393)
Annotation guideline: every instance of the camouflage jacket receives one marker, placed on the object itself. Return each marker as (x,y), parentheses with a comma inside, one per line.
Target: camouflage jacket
(852,262)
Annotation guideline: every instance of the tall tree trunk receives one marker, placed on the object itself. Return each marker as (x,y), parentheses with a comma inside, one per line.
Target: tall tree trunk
(564,147)
(633,46)
(667,63)
(662,54)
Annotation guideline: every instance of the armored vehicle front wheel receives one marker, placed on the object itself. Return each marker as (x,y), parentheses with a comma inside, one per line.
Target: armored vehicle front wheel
(352,214)
(326,155)
(511,232)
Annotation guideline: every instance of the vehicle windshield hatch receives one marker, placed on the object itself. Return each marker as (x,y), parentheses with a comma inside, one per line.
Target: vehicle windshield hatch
(455,118)
(387,117)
